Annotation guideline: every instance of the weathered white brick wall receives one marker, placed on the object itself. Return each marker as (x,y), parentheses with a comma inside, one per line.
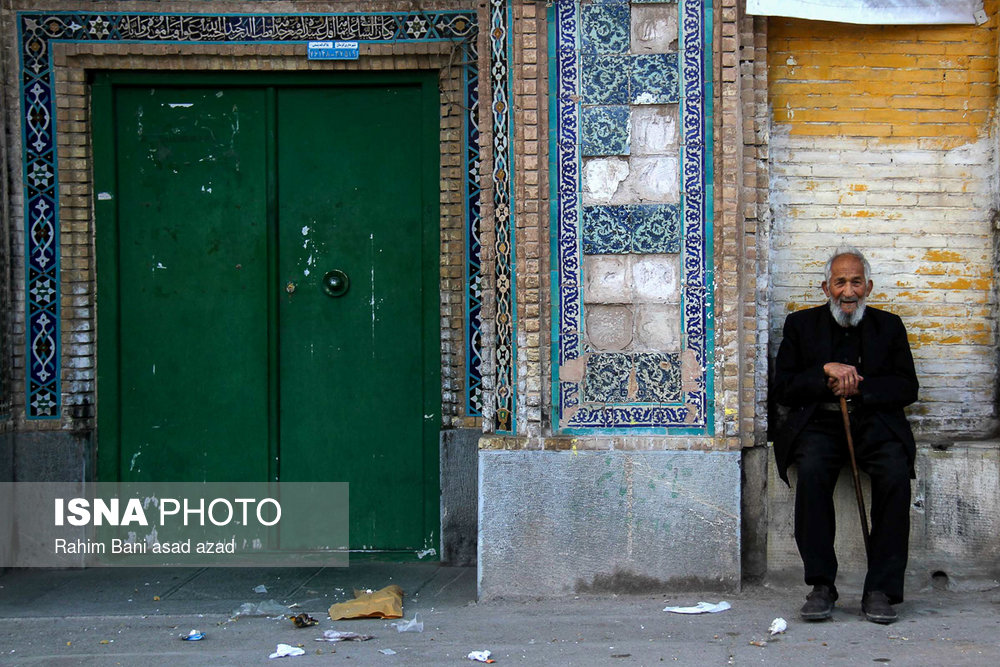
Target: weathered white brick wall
(924,217)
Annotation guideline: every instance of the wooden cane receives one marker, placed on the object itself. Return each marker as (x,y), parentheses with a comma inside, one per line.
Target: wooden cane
(854,472)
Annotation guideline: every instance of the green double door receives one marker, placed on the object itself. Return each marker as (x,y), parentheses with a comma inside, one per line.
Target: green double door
(267,269)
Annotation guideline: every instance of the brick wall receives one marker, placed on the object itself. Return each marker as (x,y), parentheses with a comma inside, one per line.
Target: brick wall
(741,206)
(884,137)
(5,370)
(530,200)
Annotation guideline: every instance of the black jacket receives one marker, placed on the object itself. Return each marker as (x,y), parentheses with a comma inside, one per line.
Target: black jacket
(890,382)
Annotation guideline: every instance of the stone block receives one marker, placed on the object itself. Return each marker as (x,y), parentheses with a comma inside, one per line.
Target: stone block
(754,512)
(654,130)
(608,522)
(654,29)
(602,178)
(658,327)
(6,457)
(53,456)
(609,328)
(605,279)
(654,179)
(954,520)
(654,279)
(960,493)
(459,494)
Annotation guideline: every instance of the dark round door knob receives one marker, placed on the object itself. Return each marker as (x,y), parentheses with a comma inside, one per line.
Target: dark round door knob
(335,283)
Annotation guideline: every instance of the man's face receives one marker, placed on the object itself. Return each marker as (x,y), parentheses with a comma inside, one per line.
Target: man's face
(847,288)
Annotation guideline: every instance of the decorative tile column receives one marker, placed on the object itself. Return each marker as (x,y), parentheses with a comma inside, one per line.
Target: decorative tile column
(631,146)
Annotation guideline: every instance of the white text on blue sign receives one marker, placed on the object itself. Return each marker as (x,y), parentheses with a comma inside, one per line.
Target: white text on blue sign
(332,50)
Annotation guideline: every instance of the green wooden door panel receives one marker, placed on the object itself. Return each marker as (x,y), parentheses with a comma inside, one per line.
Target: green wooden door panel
(352,368)
(220,356)
(191,281)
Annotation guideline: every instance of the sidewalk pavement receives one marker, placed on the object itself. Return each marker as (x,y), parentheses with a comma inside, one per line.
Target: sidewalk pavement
(131,616)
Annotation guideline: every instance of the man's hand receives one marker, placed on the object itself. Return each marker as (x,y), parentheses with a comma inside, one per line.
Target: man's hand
(842,379)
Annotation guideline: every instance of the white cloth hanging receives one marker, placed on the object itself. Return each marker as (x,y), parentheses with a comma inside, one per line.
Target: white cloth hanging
(879,12)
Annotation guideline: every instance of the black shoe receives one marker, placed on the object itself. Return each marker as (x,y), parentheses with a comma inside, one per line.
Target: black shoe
(877,609)
(819,603)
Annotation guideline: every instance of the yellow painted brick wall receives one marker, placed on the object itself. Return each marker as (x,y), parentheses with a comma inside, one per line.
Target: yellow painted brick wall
(896,82)
(884,137)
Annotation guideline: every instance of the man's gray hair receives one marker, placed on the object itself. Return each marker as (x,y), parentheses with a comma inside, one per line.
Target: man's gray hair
(845,249)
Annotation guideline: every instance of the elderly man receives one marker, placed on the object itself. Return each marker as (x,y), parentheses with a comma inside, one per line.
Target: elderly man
(847,349)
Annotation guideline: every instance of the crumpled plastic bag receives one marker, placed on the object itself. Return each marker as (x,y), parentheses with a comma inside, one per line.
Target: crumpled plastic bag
(265,608)
(383,603)
(412,625)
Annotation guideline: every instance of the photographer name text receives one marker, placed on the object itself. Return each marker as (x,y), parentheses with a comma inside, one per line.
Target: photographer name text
(124,547)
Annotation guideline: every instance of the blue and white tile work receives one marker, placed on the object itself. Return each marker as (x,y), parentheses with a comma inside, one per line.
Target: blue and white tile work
(638,228)
(631,160)
(505,350)
(606,130)
(38,32)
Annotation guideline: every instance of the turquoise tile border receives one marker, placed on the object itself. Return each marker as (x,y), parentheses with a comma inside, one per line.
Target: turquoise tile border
(505,349)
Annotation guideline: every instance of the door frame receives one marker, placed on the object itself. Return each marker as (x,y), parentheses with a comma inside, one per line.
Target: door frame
(106,226)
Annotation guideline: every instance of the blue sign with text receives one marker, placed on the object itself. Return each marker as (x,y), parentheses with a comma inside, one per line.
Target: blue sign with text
(333,51)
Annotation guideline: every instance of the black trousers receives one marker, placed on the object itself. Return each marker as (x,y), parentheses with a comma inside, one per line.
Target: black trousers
(821,453)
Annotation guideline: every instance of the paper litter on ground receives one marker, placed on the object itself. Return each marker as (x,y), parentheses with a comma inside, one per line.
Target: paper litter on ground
(481,656)
(700,608)
(286,651)
(384,603)
(338,636)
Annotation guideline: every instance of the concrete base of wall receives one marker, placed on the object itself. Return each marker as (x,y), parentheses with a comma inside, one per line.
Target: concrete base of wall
(40,456)
(954,521)
(52,456)
(6,475)
(459,495)
(557,522)
(754,513)
(6,457)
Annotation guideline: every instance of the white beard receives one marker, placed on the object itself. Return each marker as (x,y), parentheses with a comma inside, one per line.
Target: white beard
(847,319)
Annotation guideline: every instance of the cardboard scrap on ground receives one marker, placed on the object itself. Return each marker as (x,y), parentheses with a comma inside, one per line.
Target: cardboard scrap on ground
(383,603)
